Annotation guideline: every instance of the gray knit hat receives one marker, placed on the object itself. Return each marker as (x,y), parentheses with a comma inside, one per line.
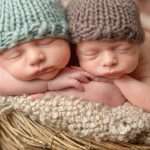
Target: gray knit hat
(25,20)
(104,20)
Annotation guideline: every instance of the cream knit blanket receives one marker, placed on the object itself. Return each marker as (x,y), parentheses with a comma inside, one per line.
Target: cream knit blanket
(84,119)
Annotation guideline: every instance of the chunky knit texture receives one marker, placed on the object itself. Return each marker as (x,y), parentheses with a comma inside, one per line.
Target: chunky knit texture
(25,20)
(84,119)
(104,20)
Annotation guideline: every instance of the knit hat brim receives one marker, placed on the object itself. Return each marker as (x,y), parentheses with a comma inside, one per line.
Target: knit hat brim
(35,31)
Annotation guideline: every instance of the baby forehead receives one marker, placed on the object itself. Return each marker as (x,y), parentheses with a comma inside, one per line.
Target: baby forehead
(20,46)
(104,43)
(31,42)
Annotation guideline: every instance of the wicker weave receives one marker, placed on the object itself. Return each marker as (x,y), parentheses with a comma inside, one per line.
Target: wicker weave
(20,133)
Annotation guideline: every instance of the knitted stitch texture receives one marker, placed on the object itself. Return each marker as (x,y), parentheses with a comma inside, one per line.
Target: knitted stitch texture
(104,20)
(84,119)
(25,20)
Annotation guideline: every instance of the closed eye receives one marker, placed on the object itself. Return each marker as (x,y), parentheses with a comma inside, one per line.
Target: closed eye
(12,53)
(15,54)
(90,52)
(123,49)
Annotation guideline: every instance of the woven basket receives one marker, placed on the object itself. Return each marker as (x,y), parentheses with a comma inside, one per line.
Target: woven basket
(18,132)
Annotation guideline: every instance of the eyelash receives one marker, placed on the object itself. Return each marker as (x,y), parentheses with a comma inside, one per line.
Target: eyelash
(15,55)
(91,53)
(123,49)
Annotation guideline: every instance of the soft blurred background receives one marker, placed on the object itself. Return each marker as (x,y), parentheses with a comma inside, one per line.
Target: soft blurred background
(144,7)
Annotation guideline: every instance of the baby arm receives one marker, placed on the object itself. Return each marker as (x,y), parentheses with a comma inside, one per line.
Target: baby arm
(136,92)
(96,91)
(67,78)
(70,77)
(12,86)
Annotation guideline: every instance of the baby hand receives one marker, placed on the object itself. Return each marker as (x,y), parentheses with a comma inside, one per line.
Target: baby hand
(72,77)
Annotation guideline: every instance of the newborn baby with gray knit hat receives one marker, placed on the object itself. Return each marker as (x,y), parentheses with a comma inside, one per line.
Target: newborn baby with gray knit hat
(33,48)
(109,37)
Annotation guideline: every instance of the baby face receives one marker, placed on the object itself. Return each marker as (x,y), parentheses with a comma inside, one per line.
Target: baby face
(108,59)
(38,59)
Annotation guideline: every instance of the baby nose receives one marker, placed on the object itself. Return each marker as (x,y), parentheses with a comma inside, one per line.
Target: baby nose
(36,57)
(109,60)
(109,63)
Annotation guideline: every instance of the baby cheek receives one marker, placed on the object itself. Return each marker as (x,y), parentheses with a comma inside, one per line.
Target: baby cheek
(133,67)
(129,66)
(90,67)
(62,58)
(59,65)
(63,61)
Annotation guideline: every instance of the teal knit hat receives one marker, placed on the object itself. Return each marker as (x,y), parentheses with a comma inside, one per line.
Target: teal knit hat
(25,20)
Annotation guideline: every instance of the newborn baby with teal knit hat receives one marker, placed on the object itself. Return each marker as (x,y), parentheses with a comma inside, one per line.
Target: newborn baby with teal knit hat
(33,48)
